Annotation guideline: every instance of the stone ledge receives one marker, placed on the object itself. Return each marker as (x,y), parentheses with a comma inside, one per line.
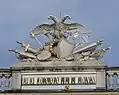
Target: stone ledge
(59,63)
(99,92)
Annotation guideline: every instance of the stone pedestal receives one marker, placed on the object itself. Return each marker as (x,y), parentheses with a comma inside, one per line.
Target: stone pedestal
(16,80)
(55,75)
(101,79)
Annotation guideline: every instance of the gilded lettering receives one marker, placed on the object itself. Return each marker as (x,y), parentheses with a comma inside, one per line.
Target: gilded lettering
(62,80)
(59,80)
(67,80)
(85,80)
(38,80)
(25,81)
(56,80)
(31,81)
(90,80)
(52,80)
(72,80)
(80,80)
(94,80)
(44,80)
(48,80)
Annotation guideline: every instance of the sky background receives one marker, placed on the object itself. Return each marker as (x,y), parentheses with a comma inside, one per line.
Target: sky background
(19,17)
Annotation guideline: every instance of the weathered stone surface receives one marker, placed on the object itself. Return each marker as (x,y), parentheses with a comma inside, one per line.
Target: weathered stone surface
(60,58)
(60,63)
(67,93)
(44,55)
(64,48)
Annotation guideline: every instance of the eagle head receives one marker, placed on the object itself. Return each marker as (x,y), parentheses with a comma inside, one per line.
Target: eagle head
(66,17)
(51,17)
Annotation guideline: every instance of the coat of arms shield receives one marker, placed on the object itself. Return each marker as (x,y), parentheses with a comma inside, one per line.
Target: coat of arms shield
(64,48)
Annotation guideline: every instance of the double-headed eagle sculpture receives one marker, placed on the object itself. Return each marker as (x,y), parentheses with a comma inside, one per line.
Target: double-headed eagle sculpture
(59,46)
(59,27)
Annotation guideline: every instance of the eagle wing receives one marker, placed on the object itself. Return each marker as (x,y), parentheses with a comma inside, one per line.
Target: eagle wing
(42,29)
(75,27)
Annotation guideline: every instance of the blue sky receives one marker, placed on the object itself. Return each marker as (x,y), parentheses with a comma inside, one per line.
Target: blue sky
(19,17)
